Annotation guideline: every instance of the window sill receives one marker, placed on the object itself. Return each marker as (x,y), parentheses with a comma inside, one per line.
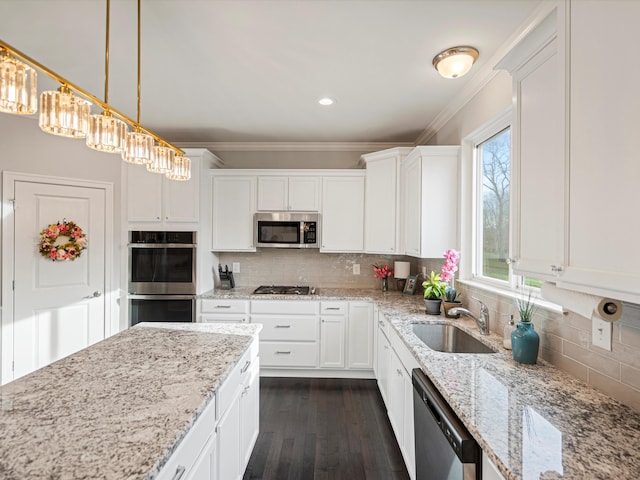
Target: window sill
(508,293)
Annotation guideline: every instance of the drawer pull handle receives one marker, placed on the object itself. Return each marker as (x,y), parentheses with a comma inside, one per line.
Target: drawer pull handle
(283,326)
(283,352)
(179,472)
(381,323)
(246,365)
(244,391)
(332,308)
(223,306)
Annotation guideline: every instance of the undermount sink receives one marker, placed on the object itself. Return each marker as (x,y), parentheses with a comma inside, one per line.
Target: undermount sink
(448,338)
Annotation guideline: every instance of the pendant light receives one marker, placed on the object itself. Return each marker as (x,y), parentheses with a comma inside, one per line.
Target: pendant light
(64,114)
(181,169)
(138,145)
(162,159)
(106,132)
(18,86)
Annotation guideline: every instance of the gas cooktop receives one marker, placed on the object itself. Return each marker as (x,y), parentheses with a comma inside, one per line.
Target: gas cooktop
(282,290)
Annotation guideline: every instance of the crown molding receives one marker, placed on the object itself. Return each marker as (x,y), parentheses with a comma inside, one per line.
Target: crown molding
(293,146)
(488,71)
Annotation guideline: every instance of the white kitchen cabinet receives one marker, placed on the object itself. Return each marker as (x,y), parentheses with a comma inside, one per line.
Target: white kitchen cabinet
(603,192)
(233,208)
(383,360)
(249,414)
(376,316)
(332,334)
(489,470)
(538,150)
(430,226)
(408,428)
(382,200)
(395,406)
(205,465)
(222,311)
(295,193)
(360,328)
(228,432)
(342,220)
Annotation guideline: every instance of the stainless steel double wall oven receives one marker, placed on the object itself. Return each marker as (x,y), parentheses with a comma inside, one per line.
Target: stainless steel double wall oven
(162,276)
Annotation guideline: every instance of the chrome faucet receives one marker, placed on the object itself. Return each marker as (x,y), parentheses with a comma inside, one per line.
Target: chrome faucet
(482,322)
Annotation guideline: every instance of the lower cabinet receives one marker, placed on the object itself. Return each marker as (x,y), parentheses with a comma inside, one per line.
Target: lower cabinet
(218,446)
(332,341)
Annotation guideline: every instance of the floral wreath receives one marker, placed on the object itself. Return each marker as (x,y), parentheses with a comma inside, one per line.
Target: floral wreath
(54,250)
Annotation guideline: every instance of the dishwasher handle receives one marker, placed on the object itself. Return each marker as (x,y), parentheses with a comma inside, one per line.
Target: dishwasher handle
(463,444)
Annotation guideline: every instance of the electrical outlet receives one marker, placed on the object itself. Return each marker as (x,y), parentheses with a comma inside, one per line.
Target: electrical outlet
(601,333)
(236,267)
(356,269)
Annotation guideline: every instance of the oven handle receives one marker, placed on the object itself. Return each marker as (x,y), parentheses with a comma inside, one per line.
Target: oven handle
(160,297)
(162,245)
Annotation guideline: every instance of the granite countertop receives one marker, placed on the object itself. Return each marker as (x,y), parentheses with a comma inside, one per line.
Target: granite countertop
(118,409)
(535,422)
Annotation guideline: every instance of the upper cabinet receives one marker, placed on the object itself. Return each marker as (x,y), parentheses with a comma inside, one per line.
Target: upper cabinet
(574,151)
(430,200)
(294,193)
(538,150)
(233,200)
(382,203)
(152,199)
(343,213)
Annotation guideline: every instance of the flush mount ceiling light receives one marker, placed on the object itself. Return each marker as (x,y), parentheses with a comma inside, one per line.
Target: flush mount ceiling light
(326,101)
(455,62)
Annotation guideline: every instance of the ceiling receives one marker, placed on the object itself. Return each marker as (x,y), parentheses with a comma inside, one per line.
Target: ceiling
(253,70)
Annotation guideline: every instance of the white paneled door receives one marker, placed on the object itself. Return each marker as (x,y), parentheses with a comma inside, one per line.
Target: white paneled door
(59,306)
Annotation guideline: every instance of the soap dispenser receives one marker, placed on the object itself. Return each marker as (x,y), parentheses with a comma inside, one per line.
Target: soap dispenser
(506,332)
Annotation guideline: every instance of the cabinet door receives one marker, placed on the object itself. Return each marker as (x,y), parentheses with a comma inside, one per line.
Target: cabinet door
(332,341)
(538,163)
(408,429)
(342,214)
(273,193)
(144,194)
(304,194)
(181,200)
(384,365)
(603,192)
(380,207)
(360,329)
(249,415)
(395,407)
(228,433)
(234,203)
(411,180)
(204,466)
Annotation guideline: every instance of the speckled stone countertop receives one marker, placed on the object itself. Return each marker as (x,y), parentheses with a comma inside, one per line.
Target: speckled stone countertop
(534,422)
(118,409)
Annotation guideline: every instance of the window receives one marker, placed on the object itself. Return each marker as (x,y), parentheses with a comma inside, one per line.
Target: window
(493,167)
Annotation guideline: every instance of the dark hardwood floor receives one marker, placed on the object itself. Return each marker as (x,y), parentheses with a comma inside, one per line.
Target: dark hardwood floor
(325,429)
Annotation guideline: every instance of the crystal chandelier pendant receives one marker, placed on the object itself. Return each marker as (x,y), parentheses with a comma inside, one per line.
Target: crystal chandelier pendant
(181,169)
(18,86)
(161,160)
(106,133)
(64,114)
(138,147)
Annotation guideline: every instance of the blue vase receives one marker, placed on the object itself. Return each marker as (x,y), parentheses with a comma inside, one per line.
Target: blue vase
(525,343)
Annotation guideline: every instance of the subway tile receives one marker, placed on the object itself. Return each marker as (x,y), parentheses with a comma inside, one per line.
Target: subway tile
(623,393)
(565,364)
(551,341)
(630,376)
(630,335)
(602,364)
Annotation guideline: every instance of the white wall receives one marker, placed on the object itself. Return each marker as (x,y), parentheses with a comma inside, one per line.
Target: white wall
(24,148)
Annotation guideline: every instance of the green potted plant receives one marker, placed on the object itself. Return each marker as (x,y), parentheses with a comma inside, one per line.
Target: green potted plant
(451,300)
(434,289)
(525,341)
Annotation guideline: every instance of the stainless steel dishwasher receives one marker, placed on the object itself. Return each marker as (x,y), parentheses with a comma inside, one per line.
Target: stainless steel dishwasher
(445,450)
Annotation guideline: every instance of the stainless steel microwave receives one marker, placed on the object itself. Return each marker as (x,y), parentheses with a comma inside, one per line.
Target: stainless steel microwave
(286,230)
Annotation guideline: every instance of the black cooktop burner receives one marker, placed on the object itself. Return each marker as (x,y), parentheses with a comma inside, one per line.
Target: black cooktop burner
(281,290)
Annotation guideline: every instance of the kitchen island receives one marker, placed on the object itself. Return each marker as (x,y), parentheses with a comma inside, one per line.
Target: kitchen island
(532,421)
(120,408)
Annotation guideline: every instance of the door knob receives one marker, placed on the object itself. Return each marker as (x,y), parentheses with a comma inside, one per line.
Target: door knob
(95,294)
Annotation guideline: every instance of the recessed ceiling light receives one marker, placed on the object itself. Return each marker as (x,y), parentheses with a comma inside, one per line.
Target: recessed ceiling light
(326,101)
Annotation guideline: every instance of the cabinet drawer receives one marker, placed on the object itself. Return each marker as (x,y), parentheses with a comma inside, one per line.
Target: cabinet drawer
(292,354)
(222,318)
(224,306)
(333,308)
(285,307)
(287,327)
(383,324)
(231,385)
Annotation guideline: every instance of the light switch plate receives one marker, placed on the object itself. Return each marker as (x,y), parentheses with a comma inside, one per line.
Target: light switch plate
(601,333)
(235,267)
(356,269)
